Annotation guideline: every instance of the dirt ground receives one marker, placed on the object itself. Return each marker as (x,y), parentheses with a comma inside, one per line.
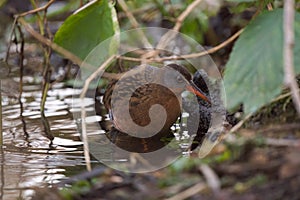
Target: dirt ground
(259,161)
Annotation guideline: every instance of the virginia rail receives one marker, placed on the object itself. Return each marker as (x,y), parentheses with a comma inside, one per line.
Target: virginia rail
(141,88)
(208,133)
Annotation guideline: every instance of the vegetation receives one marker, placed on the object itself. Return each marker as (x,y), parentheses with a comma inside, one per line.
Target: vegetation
(256,45)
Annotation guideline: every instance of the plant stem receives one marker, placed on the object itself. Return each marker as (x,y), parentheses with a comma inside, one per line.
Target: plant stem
(1,131)
(21,64)
(87,82)
(40,22)
(288,51)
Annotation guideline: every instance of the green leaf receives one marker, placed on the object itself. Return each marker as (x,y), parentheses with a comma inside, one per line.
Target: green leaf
(193,29)
(88,27)
(254,72)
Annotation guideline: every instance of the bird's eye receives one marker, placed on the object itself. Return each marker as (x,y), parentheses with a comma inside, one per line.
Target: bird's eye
(179,79)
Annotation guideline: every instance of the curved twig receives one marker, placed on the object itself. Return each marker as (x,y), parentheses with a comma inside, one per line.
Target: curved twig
(203,53)
(83,112)
(45,7)
(134,23)
(187,56)
(166,38)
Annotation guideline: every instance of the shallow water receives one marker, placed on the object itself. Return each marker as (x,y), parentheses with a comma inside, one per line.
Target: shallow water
(34,156)
(29,159)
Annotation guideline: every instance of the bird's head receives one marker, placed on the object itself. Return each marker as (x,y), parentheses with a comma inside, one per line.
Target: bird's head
(179,79)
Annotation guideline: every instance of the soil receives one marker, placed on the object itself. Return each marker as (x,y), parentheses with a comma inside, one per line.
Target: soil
(260,161)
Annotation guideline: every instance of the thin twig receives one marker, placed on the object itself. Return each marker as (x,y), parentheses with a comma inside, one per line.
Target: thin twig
(78,61)
(203,53)
(282,96)
(288,52)
(189,192)
(172,33)
(138,11)
(67,54)
(169,36)
(21,64)
(135,24)
(240,124)
(48,42)
(83,112)
(46,71)
(187,56)
(45,7)
(95,74)
(132,59)
(211,178)
(185,13)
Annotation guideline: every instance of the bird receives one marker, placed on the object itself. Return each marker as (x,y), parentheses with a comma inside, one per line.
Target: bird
(208,134)
(141,89)
(202,109)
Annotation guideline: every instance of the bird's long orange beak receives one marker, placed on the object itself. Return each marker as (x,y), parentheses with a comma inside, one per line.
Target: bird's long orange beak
(197,91)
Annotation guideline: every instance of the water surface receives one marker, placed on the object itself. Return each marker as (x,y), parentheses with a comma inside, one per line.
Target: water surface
(30,158)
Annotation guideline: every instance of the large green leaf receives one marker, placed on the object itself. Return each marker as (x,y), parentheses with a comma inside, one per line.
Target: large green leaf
(254,72)
(84,30)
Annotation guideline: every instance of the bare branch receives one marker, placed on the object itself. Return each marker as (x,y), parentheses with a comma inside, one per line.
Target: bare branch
(83,112)
(166,38)
(240,124)
(45,7)
(134,23)
(211,177)
(187,56)
(49,43)
(67,54)
(203,53)
(185,13)
(288,52)
(95,74)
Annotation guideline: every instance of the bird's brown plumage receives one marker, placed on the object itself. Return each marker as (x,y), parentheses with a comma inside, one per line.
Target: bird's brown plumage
(147,86)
